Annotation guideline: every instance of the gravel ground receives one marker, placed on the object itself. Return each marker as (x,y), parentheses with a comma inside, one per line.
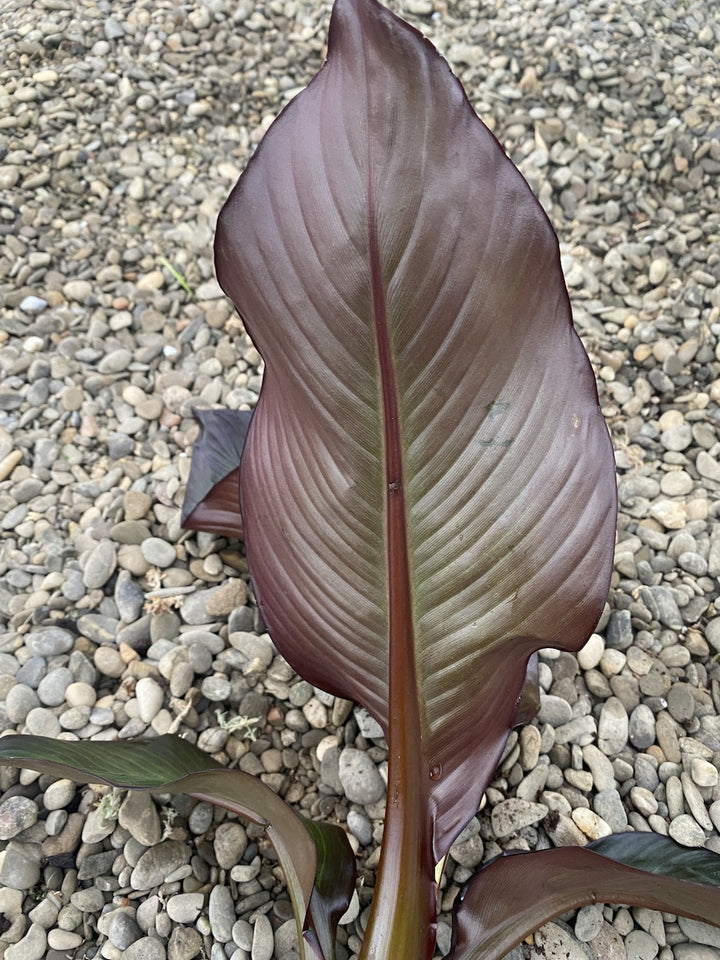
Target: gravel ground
(122,127)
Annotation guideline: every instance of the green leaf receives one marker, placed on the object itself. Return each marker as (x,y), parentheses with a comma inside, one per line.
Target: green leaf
(171,765)
(142,764)
(515,894)
(334,885)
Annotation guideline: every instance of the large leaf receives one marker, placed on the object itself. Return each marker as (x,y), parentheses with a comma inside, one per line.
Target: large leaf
(428,483)
(427,486)
(212,495)
(513,895)
(171,765)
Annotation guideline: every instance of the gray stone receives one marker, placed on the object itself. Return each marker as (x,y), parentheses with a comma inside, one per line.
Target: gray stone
(123,930)
(158,552)
(513,814)
(100,565)
(49,642)
(686,831)
(641,730)
(554,710)
(221,912)
(263,942)
(619,635)
(359,777)
(555,941)
(20,700)
(20,868)
(640,945)
(185,907)
(700,932)
(158,863)
(146,948)
(613,727)
(588,922)
(31,947)
(16,815)
(608,805)
(52,687)
(129,597)
(230,844)
(139,816)
(360,827)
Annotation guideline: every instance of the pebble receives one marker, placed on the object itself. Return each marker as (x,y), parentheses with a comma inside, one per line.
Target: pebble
(158,552)
(16,814)
(221,911)
(158,863)
(263,942)
(359,777)
(510,816)
(613,727)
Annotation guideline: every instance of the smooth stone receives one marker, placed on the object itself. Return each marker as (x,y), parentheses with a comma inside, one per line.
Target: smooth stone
(31,947)
(613,727)
(641,729)
(158,552)
(146,948)
(20,870)
(230,844)
(513,814)
(554,710)
(185,943)
(100,565)
(640,945)
(49,642)
(588,922)
(555,941)
(263,942)
(359,776)
(158,863)
(589,657)
(138,815)
(686,831)
(123,930)
(608,805)
(221,912)
(150,697)
(16,814)
(185,907)
(700,932)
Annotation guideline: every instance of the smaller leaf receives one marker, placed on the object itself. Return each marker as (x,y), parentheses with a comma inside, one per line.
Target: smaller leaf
(661,856)
(131,764)
(334,886)
(212,501)
(171,765)
(514,895)
(529,701)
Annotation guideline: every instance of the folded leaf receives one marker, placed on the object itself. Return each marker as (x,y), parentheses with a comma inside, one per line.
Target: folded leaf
(428,485)
(515,894)
(171,765)
(212,495)
(334,885)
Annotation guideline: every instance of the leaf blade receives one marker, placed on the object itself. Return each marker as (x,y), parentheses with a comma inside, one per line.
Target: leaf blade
(404,461)
(494,912)
(212,494)
(170,764)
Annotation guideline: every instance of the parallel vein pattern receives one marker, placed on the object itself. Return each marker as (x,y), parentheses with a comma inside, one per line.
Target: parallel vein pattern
(504,462)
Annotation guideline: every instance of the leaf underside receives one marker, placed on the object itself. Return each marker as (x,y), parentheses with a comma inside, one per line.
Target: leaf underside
(212,494)
(428,485)
(514,895)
